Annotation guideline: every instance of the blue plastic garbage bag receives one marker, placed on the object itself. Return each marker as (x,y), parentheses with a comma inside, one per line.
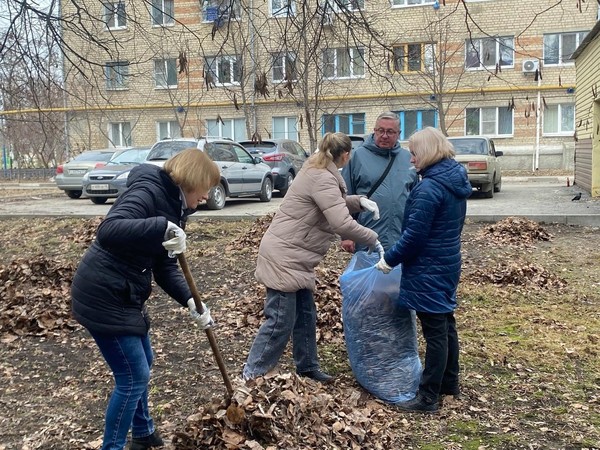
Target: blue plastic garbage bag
(381,336)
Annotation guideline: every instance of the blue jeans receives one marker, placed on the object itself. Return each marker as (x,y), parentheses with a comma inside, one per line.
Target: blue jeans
(287,314)
(130,359)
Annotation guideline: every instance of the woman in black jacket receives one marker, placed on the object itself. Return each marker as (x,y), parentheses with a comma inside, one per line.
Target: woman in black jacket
(139,238)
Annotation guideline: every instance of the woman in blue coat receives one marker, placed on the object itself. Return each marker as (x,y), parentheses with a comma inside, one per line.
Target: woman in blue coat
(429,251)
(139,239)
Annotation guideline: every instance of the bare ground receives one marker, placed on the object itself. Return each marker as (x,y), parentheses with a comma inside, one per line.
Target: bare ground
(528,323)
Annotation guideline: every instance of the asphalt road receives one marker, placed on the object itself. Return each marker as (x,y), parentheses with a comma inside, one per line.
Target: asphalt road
(543,199)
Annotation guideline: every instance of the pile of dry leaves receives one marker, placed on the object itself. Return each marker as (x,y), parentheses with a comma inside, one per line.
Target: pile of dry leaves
(34,296)
(512,233)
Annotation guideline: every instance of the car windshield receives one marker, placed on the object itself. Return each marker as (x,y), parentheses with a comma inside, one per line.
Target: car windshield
(130,157)
(469,146)
(93,156)
(259,147)
(164,150)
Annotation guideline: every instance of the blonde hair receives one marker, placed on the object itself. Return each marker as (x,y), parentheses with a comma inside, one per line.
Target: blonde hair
(429,146)
(192,169)
(331,149)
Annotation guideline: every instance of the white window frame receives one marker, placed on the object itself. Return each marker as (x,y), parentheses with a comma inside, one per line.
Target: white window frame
(113,16)
(474,48)
(172,128)
(335,55)
(228,128)
(411,3)
(162,13)
(119,134)
(282,62)
(288,130)
(116,74)
(427,57)
(579,37)
(560,112)
(163,68)
(493,113)
(282,8)
(216,65)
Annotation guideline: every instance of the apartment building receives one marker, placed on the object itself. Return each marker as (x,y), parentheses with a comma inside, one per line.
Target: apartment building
(283,68)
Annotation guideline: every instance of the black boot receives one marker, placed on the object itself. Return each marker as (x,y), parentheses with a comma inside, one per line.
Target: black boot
(419,404)
(146,442)
(317,375)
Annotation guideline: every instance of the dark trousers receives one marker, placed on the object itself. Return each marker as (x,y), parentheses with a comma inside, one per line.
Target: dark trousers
(440,374)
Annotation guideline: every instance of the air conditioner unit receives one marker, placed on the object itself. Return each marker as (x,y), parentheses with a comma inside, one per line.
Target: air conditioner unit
(530,65)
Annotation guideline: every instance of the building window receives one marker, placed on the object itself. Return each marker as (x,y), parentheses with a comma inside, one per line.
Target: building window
(487,52)
(220,10)
(411,121)
(163,12)
(283,8)
(168,130)
(165,73)
(559,47)
(412,2)
(230,128)
(343,63)
(116,73)
(224,70)
(285,128)
(345,5)
(489,121)
(559,119)
(413,58)
(344,123)
(114,15)
(284,67)
(119,134)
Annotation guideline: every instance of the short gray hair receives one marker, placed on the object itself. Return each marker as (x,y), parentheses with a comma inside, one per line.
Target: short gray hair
(388,115)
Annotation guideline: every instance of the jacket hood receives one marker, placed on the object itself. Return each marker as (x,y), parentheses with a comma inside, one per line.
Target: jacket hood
(370,145)
(450,174)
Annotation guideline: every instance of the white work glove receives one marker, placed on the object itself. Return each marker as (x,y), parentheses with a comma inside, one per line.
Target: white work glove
(383,266)
(174,240)
(370,205)
(203,320)
(377,247)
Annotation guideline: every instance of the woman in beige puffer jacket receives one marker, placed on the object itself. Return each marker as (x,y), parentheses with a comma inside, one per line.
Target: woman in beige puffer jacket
(314,210)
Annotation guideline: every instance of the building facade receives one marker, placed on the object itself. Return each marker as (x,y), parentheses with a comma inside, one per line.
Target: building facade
(282,68)
(587,145)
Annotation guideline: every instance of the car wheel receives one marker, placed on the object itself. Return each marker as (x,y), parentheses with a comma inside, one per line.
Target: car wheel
(288,182)
(498,185)
(73,194)
(99,200)
(488,190)
(216,199)
(266,191)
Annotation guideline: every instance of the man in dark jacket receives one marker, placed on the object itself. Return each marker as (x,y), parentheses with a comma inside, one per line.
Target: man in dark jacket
(138,239)
(367,165)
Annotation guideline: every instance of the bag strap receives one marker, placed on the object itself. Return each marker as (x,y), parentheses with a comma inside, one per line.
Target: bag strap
(382,177)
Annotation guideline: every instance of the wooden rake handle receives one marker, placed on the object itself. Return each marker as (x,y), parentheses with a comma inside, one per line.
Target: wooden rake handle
(209,332)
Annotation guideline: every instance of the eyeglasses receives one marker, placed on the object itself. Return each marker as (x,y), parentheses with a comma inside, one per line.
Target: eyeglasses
(389,132)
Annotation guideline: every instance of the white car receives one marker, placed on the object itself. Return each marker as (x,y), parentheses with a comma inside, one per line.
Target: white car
(241,173)
(479,156)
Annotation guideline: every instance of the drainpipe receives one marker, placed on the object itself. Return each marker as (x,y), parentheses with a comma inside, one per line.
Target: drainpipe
(538,120)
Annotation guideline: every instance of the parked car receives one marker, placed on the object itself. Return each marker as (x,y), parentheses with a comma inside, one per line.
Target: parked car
(110,181)
(241,173)
(284,156)
(357,139)
(69,176)
(479,156)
